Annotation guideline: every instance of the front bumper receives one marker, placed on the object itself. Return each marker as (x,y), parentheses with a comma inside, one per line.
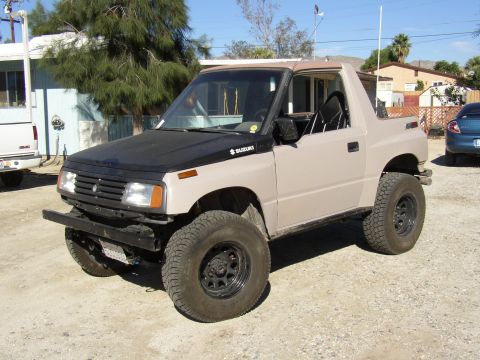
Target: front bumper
(19,162)
(133,237)
(462,143)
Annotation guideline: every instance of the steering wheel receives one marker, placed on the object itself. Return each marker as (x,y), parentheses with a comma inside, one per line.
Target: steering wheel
(260,114)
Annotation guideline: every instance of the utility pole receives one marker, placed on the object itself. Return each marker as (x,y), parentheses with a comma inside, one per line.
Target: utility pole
(378,58)
(316,12)
(12,29)
(8,10)
(26,59)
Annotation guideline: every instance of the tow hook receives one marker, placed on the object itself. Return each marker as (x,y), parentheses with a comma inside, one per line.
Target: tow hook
(425,177)
(133,260)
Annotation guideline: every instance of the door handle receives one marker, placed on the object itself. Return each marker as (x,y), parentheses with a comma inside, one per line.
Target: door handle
(353,146)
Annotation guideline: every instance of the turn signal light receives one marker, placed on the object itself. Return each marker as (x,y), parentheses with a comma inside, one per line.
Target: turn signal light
(157,197)
(453,127)
(187,174)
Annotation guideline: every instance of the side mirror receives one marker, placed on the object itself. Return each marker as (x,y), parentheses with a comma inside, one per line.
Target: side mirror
(288,129)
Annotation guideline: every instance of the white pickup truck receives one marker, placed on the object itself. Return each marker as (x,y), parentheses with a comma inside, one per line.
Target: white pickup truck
(18,151)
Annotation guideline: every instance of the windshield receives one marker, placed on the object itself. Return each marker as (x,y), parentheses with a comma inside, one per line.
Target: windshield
(224,101)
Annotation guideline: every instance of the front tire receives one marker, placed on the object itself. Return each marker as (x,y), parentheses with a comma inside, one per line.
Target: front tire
(216,267)
(89,256)
(396,220)
(12,178)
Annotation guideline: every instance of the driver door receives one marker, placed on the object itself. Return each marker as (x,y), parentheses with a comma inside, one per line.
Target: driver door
(319,176)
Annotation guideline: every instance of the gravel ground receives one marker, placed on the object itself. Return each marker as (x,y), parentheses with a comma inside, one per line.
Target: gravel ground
(328,296)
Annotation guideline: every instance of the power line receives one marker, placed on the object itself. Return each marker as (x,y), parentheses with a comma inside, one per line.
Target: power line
(391,38)
(367,39)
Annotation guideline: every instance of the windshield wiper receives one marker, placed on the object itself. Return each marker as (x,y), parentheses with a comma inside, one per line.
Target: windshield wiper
(172,129)
(212,130)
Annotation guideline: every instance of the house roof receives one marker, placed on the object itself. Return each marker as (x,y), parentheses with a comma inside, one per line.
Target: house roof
(412,67)
(37,46)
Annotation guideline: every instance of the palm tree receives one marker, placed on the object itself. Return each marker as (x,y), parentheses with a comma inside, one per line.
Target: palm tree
(473,64)
(472,72)
(401,47)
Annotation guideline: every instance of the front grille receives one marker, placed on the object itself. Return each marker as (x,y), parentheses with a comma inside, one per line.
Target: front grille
(101,188)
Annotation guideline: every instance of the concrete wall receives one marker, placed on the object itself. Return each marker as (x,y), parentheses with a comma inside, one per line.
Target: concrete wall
(402,76)
(385,96)
(92,133)
(49,100)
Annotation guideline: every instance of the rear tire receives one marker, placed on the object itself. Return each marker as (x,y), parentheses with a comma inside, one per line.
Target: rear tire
(12,178)
(216,267)
(450,158)
(396,220)
(89,256)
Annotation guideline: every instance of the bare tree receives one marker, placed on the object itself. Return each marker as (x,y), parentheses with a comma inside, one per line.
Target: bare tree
(260,13)
(290,42)
(243,50)
(284,39)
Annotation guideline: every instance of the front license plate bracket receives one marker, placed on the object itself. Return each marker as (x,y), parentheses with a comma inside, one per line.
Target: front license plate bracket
(114,252)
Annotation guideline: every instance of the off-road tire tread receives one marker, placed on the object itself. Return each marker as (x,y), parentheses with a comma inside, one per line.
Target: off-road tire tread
(174,256)
(373,224)
(12,178)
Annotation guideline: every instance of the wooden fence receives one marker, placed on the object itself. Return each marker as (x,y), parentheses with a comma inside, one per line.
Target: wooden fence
(436,115)
(122,126)
(473,96)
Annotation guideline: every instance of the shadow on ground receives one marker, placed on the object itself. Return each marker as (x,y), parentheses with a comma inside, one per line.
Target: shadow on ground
(462,161)
(284,252)
(301,247)
(31,180)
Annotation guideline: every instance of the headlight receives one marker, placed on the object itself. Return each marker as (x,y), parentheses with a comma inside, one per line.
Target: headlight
(66,181)
(143,195)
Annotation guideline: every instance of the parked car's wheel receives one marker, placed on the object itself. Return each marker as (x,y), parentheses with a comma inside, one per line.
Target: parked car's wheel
(217,267)
(450,158)
(89,256)
(12,178)
(396,220)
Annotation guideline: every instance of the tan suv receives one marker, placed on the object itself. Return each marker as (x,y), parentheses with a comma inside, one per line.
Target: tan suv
(244,155)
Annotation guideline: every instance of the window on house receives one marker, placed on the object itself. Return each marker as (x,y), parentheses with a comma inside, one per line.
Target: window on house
(437,83)
(12,89)
(416,73)
(384,85)
(410,87)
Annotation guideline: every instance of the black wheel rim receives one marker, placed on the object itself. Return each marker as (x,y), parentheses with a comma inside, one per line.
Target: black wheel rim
(224,270)
(405,215)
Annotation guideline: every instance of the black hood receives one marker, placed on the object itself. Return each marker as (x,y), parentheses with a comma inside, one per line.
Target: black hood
(166,151)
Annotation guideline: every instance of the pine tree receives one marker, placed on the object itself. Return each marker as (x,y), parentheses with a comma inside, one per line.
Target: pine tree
(38,20)
(386,56)
(127,55)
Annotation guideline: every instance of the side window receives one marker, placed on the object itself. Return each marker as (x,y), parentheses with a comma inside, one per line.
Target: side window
(333,113)
(317,103)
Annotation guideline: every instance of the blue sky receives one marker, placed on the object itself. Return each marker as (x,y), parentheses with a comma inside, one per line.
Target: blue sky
(344,20)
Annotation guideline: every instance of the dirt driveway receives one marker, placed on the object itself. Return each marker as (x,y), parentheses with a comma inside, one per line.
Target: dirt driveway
(328,296)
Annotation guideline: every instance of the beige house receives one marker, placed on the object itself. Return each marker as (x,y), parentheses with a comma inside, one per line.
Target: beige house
(405,77)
